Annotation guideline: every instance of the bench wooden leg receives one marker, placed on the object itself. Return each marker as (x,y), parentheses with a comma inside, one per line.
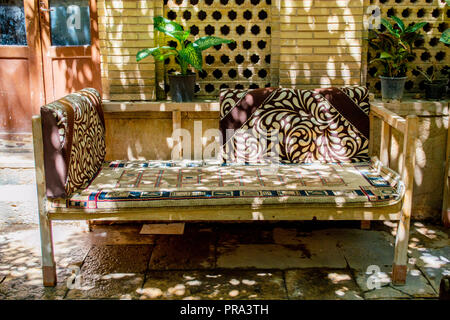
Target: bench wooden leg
(400,265)
(48,259)
(45,225)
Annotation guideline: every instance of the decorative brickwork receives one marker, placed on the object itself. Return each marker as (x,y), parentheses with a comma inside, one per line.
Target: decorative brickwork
(244,64)
(289,43)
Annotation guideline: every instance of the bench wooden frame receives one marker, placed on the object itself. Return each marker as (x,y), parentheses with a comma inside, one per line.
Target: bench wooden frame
(401,211)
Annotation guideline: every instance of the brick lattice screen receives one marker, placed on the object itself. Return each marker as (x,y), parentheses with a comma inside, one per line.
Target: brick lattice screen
(291,43)
(438,16)
(244,64)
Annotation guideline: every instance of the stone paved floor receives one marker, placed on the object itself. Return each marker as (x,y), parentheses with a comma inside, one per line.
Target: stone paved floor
(259,260)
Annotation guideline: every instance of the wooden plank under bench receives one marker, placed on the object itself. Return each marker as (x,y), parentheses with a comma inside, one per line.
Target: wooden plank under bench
(233,213)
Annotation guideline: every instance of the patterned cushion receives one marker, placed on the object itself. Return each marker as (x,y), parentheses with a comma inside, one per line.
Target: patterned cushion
(73,129)
(137,184)
(295,126)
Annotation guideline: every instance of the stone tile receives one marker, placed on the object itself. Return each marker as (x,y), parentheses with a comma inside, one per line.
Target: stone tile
(434,263)
(20,264)
(386,293)
(275,256)
(112,272)
(118,258)
(360,248)
(292,248)
(25,283)
(192,250)
(378,285)
(244,233)
(20,256)
(119,235)
(322,284)
(71,244)
(429,249)
(110,286)
(293,235)
(104,260)
(31,288)
(363,248)
(217,285)
(428,236)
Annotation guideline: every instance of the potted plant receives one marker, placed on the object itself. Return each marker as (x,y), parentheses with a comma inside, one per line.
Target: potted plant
(182,85)
(435,85)
(394,48)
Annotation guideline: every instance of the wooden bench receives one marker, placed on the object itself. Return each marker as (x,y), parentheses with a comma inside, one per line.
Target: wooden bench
(74,182)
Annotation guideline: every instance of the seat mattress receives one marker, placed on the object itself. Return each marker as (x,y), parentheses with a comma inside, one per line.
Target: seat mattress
(142,184)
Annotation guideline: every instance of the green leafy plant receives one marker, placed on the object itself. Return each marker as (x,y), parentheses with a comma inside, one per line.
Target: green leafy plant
(190,52)
(394,46)
(445,37)
(434,74)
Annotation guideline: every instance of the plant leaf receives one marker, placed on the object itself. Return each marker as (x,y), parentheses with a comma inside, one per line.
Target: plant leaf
(206,42)
(415,27)
(399,22)
(180,35)
(155,52)
(385,55)
(166,26)
(163,57)
(192,55)
(388,26)
(445,37)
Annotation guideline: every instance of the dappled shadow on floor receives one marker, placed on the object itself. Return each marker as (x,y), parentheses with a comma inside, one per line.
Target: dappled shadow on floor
(262,260)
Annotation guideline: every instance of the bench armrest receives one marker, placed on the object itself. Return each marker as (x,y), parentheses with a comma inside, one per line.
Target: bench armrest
(391,118)
(408,126)
(72,134)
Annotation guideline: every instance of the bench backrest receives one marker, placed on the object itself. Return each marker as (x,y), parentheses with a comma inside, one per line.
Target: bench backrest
(292,125)
(73,131)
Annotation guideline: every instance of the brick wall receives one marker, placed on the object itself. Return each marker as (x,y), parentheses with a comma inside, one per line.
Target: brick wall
(320,42)
(126,26)
(311,43)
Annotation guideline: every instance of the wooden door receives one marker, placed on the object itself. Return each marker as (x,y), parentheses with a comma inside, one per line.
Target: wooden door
(70,46)
(21,83)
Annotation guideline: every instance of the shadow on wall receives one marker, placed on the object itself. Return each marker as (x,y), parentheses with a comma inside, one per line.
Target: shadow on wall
(126,27)
(321,43)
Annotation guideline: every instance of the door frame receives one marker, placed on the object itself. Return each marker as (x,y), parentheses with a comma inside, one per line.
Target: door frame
(71,51)
(32,52)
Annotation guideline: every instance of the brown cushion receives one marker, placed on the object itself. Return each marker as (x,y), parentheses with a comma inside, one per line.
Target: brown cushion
(295,126)
(73,130)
